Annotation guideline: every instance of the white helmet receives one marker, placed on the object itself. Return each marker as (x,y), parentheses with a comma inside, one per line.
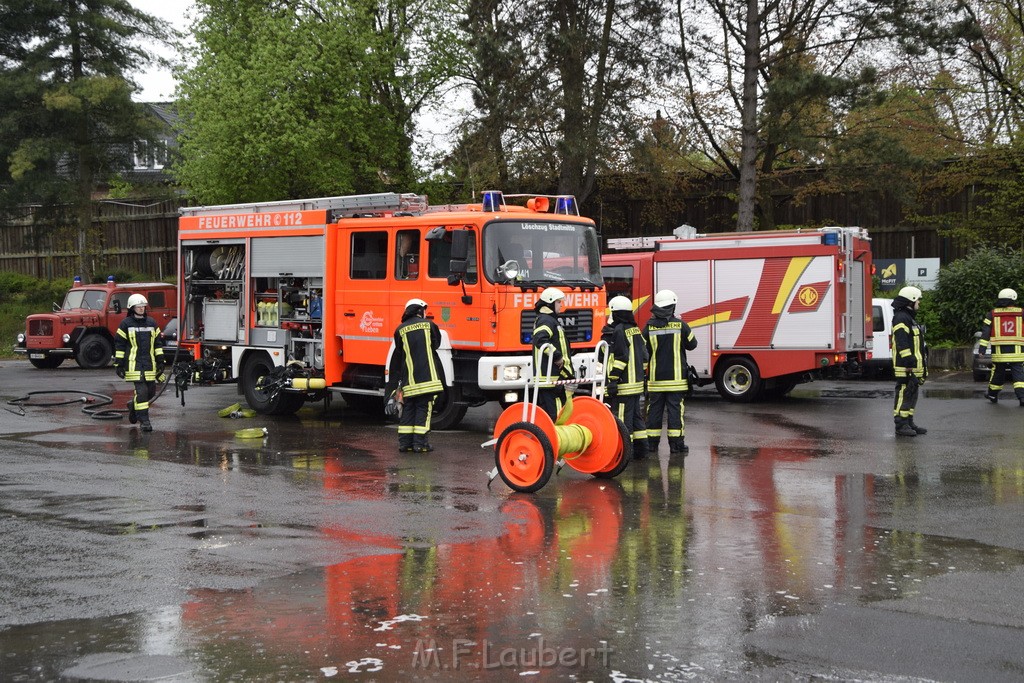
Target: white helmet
(911,294)
(620,303)
(416,302)
(137,300)
(1008,294)
(552,294)
(665,297)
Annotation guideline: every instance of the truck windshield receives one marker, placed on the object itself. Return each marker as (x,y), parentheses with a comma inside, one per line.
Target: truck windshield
(93,299)
(544,252)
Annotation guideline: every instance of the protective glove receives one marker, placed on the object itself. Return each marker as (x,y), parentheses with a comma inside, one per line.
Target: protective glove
(120,371)
(611,390)
(162,377)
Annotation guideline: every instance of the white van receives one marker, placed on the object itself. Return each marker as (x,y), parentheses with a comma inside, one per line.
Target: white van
(880,362)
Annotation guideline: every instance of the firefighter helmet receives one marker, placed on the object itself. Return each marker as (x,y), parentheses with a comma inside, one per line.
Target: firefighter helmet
(416,302)
(911,294)
(1008,294)
(552,294)
(665,297)
(137,300)
(620,303)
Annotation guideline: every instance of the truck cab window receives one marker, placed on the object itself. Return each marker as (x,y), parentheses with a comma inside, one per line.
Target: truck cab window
(369,255)
(618,281)
(407,255)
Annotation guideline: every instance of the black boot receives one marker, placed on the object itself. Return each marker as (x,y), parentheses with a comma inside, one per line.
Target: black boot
(678,446)
(132,417)
(639,449)
(903,427)
(146,425)
(992,398)
(919,430)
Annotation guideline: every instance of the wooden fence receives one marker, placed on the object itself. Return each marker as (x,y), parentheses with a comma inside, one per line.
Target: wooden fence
(140,236)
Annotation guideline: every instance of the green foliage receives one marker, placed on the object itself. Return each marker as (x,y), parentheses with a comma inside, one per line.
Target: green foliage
(68,119)
(287,101)
(967,290)
(20,296)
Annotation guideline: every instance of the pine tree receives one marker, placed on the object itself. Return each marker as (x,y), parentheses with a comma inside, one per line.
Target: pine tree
(67,120)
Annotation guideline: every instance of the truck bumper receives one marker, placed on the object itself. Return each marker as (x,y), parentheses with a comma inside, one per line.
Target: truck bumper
(510,373)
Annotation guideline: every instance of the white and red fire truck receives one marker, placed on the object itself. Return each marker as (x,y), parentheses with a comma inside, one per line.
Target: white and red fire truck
(299,298)
(767,309)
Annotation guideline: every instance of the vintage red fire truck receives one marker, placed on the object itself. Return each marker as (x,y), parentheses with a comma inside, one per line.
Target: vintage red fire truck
(299,298)
(84,325)
(768,309)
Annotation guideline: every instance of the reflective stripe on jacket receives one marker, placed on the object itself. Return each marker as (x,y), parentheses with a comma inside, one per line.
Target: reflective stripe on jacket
(1002,330)
(416,344)
(138,347)
(546,330)
(668,340)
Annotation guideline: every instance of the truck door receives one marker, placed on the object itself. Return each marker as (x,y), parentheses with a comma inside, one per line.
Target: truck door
(365,322)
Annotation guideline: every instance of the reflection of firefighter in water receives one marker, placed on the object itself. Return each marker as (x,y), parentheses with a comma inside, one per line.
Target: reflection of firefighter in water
(365,600)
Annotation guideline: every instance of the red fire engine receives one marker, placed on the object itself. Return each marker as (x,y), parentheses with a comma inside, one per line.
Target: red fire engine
(767,308)
(302,297)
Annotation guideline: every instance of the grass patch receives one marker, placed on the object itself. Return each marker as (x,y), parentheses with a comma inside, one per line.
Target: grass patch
(20,296)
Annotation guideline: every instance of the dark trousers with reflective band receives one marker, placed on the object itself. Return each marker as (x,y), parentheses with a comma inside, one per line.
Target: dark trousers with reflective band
(627,409)
(144,393)
(906,400)
(997,378)
(659,402)
(414,425)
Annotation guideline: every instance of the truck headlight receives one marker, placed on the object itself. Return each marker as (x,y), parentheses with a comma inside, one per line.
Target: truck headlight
(511,373)
(21,338)
(66,338)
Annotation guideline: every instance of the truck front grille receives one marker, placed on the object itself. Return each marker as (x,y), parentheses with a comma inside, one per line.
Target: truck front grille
(40,328)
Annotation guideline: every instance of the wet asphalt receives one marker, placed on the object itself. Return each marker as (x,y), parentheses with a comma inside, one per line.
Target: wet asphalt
(799,540)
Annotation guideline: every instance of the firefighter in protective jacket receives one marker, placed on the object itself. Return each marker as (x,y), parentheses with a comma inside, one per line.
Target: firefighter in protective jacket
(909,358)
(139,358)
(547,330)
(1003,335)
(419,369)
(668,339)
(626,375)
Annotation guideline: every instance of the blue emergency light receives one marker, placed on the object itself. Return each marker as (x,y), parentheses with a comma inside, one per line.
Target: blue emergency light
(830,238)
(492,200)
(77,282)
(566,205)
(110,279)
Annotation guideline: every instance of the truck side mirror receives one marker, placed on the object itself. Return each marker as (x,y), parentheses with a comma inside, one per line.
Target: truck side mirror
(459,264)
(117,306)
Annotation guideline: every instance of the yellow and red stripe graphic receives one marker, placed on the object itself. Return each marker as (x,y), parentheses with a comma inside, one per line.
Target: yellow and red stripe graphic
(778,279)
(720,312)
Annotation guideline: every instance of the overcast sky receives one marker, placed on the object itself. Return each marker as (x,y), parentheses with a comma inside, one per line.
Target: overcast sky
(158,84)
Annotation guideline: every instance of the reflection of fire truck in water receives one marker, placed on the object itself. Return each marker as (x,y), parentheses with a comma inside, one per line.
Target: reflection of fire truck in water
(302,297)
(766,308)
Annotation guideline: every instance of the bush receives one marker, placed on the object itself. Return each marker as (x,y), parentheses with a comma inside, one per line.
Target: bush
(967,290)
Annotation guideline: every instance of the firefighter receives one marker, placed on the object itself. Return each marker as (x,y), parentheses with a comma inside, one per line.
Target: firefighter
(419,370)
(667,339)
(1002,334)
(626,375)
(547,330)
(139,358)
(909,358)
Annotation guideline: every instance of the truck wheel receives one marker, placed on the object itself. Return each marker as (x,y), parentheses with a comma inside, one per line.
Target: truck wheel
(257,369)
(447,414)
(48,363)
(94,352)
(738,380)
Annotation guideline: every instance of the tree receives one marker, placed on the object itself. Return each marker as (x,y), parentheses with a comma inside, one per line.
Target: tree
(967,289)
(68,120)
(768,81)
(299,99)
(556,84)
